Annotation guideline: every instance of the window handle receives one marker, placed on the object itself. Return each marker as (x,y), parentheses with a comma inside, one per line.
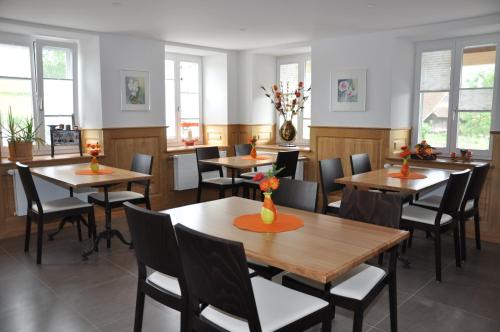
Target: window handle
(40,104)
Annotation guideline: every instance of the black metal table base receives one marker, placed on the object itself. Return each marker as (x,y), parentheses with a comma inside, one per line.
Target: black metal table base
(79,219)
(105,235)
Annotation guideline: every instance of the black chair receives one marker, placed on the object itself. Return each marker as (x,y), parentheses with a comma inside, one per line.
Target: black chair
(224,298)
(329,171)
(439,221)
(359,287)
(469,207)
(221,183)
(297,194)
(141,163)
(156,248)
(360,163)
(43,212)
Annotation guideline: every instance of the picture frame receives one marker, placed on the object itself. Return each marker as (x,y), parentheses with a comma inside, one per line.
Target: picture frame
(348,90)
(135,90)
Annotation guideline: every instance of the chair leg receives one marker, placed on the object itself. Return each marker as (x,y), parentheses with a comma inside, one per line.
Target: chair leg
(254,194)
(326,324)
(148,203)
(410,240)
(403,246)
(28,233)
(79,229)
(437,253)
(463,244)
(477,230)
(39,241)
(456,240)
(222,193)
(184,320)
(198,195)
(139,309)
(358,320)
(381,259)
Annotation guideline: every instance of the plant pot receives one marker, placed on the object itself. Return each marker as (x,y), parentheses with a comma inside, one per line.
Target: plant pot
(20,151)
(288,131)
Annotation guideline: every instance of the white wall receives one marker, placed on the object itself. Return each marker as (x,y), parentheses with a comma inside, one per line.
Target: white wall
(122,52)
(215,89)
(403,64)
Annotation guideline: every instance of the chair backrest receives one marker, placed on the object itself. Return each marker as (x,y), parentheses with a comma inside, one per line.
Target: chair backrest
(209,152)
(29,186)
(216,273)
(329,171)
(155,244)
(476,183)
(287,160)
(360,163)
(296,194)
(141,163)
(453,193)
(377,208)
(242,149)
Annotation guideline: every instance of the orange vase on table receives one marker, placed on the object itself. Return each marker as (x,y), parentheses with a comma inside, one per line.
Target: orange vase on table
(94,165)
(268,211)
(405,169)
(253,152)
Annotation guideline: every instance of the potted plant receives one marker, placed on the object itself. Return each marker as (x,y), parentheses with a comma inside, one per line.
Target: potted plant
(20,135)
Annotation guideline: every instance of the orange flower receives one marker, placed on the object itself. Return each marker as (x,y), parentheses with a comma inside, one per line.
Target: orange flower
(275,87)
(297,93)
(274,183)
(258,176)
(301,84)
(264,185)
(94,153)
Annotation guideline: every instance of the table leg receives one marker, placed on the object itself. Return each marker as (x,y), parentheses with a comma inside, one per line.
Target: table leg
(393,302)
(233,185)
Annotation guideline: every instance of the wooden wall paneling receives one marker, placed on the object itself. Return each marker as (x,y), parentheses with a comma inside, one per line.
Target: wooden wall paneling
(265,134)
(215,134)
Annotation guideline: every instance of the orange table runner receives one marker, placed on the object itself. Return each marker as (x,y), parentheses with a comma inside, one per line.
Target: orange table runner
(283,223)
(411,176)
(256,158)
(90,172)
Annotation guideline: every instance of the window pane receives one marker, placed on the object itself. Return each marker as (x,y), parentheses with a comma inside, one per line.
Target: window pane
(58,97)
(56,120)
(16,94)
(474,130)
(478,67)
(190,124)
(169,69)
(306,131)
(289,76)
(435,70)
(57,63)
(434,117)
(475,100)
(189,75)
(190,105)
(15,61)
(170,107)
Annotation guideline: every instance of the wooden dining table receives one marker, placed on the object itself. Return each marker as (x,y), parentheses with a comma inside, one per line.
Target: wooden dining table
(379,179)
(66,176)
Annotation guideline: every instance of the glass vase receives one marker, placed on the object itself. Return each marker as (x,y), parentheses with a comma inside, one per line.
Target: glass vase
(268,211)
(94,165)
(253,152)
(405,169)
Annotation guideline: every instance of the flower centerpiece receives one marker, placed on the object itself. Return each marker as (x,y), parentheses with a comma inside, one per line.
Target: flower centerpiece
(268,183)
(253,142)
(424,151)
(466,154)
(288,102)
(189,141)
(94,150)
(405,154)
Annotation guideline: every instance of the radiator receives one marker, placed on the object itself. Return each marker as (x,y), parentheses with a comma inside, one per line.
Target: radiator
(186,171)
(46,191)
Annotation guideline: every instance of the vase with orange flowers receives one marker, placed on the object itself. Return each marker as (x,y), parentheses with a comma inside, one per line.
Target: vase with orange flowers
(268,183)
(94,150)
(253,142)
(405,154)
(288,102)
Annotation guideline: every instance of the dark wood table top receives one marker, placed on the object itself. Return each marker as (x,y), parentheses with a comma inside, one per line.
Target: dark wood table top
(325,248)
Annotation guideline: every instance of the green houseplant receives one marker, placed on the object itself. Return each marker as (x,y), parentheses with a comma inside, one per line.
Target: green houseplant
(21,134)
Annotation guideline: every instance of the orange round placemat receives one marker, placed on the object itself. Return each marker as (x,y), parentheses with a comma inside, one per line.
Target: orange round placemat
(411,176)
(90,172)
(256,158)
(283,223)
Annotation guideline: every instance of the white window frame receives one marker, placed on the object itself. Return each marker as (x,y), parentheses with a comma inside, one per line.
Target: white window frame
(178,58)
(35,45)
(299,59)
(456,47)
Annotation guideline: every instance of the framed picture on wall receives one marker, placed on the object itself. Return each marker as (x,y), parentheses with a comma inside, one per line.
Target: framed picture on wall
(348,90)
(135,90)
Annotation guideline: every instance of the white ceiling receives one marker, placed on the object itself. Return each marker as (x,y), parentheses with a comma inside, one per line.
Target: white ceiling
(242,24)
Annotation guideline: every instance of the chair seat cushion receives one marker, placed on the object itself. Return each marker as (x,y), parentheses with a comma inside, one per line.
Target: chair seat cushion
(223,181)
(248,175)
(335,204)
(277,306)
(164,282)
(63,204)
(355,284)
(434,201)
(423,215)
(117,196)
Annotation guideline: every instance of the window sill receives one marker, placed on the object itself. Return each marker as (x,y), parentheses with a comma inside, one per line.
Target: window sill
(277,147)
(183,148)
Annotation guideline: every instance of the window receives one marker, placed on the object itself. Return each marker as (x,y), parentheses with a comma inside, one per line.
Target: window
(456,93)
(183,98)
(291,71)
(38,80)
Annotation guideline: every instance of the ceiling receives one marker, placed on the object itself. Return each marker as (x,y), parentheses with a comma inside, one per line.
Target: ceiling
(242,24)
